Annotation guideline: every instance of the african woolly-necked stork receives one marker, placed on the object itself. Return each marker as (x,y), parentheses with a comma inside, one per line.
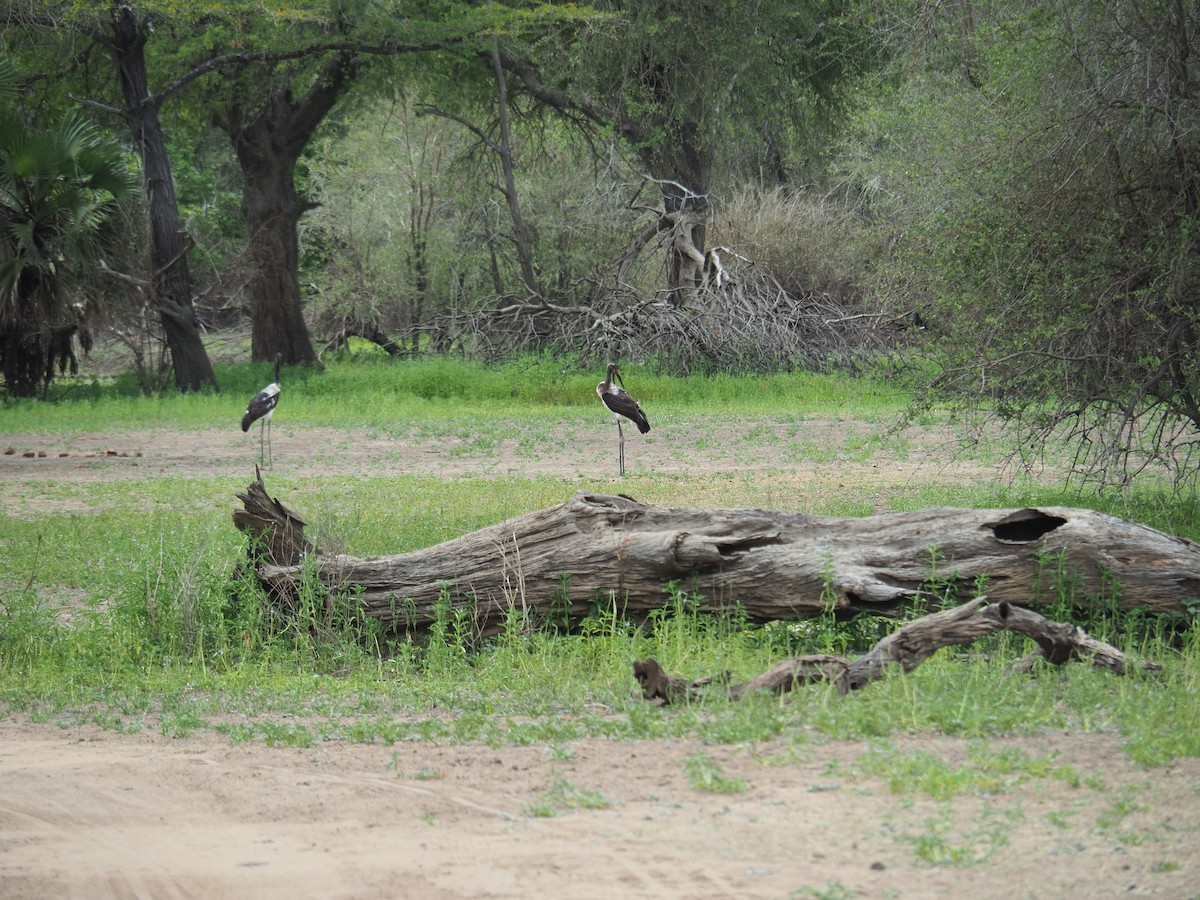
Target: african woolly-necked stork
(621,405)
(260,409)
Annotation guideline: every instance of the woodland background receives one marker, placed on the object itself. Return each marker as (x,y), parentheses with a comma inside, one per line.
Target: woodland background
(996,201)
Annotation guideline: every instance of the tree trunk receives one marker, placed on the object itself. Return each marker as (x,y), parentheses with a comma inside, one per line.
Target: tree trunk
(172,282)
(268,145)
(520,233)
(686,211)
(271,210)
(559,563)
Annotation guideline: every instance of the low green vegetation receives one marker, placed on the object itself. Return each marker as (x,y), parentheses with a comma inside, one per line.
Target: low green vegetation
(705,774)
(121,603)
(562,795)
(451,392)
(985,771)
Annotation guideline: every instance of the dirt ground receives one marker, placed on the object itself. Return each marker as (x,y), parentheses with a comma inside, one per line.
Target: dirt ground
(88,813)
(94,814)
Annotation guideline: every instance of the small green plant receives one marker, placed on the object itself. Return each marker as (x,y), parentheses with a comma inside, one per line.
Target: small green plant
(830,637)
(110,721)
(282,734)
(937,844)
(181,723)
(939,588)
(422,774)
(833,890)
(1058,819)
(1055,584)
(563,795)
(705,774)
(1116,813)
(559,613)
(445,651)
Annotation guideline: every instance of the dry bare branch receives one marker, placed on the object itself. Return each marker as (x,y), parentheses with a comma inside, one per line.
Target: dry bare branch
(906,649)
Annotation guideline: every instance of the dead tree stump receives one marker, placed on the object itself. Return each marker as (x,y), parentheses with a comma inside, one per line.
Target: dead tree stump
(276,533)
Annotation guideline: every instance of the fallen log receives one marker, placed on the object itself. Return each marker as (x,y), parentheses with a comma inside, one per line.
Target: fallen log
(596,550)
(906,648)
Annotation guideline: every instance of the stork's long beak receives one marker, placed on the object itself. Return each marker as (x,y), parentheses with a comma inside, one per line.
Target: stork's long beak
(617,373)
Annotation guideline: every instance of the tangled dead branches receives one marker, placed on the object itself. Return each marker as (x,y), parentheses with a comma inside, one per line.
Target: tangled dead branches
(738,319)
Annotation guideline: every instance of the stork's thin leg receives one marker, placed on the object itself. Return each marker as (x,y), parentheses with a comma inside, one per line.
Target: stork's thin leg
(621,447)
(262,454)
(270,454)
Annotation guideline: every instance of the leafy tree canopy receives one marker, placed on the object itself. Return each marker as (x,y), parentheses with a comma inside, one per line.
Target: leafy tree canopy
(679,79)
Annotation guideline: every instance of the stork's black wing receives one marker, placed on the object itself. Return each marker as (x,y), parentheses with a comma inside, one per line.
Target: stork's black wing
(264,402)
(621,403)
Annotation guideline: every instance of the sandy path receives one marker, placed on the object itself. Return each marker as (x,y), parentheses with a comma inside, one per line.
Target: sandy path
(92,814)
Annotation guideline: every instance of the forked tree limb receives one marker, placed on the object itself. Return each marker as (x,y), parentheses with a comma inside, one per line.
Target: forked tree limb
(603,550)
(906,648)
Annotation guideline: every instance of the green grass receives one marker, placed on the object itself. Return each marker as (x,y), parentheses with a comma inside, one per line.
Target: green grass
(442,389)
(986,771)
(163,637)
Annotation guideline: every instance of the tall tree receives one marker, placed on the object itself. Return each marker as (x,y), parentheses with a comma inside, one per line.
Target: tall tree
(269,138)
(677,79)
(124,33)
(125,38)
(273,105)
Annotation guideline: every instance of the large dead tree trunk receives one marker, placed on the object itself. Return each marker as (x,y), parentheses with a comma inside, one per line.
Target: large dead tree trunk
(600,549)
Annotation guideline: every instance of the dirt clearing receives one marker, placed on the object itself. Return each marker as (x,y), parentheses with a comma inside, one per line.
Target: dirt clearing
(89,813)
(96,814)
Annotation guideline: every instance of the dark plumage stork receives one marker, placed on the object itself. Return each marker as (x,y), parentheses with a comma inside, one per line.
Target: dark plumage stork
(260,409)
(621,405)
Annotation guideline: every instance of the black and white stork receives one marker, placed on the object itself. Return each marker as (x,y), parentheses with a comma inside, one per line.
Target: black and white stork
(260,409)
(621,405)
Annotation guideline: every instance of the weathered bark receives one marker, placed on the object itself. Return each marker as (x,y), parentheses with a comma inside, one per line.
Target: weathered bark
(172,281)
(687,217)
(277,533)
(906,648)
(268,144)
(562,561)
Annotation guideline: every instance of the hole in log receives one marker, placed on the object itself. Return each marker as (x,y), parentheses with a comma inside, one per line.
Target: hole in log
(857,603)
(1025,526)
(732,548)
